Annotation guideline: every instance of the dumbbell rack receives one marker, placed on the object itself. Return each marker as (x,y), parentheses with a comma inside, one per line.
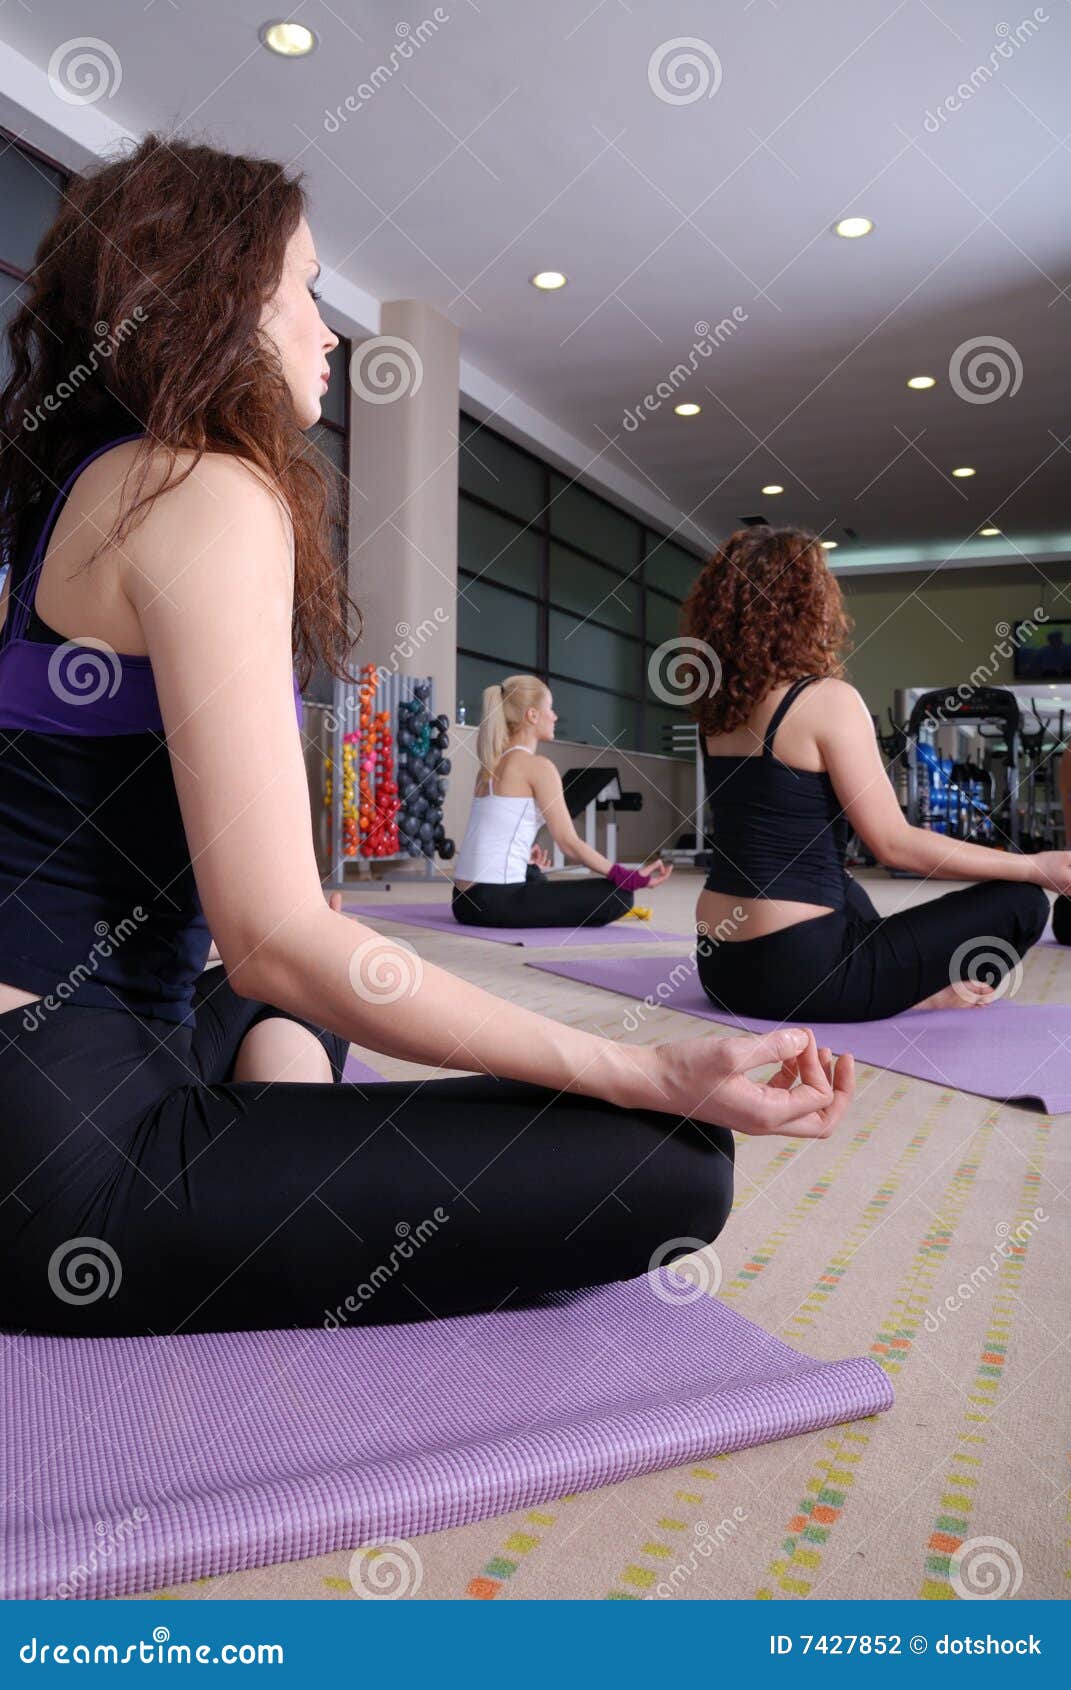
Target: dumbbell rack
(344,716)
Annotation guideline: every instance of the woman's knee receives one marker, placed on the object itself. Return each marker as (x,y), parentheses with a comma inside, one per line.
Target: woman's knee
(714,1198)
(613,902)
(698,1200)
(284,1047)
(1029,909)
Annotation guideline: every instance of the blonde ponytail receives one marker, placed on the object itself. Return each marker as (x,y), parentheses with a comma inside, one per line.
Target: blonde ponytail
(493,734)
(501,713)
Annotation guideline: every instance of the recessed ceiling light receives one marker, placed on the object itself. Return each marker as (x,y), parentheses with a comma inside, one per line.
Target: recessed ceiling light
(963,472)
(292,40)
(548,280)
(772,489)
(688,409)
(988,532)
(919,382)
(831,545)
(852,227)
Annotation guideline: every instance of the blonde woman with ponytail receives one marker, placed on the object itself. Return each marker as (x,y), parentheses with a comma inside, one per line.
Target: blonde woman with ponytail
(498,878)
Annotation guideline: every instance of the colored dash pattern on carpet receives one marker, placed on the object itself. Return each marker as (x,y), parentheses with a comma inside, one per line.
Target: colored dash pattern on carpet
(501,1567)
(952,1526)
(795,1571)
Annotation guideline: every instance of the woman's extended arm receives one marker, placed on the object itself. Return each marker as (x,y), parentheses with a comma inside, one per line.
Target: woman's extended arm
(550,796)
(210,575)
(844,733)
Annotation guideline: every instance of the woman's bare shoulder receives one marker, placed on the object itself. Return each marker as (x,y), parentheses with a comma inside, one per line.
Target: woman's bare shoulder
(202,502)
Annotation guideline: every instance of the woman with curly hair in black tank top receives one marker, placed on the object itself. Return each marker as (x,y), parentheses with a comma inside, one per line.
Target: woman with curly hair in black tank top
(792,769)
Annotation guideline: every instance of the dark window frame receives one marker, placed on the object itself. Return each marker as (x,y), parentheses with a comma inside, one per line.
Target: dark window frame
(648,538)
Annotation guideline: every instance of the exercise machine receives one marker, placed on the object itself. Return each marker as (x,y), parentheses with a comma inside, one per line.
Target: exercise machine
(977,800)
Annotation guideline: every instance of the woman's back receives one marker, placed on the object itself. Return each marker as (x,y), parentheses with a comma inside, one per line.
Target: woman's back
(777,834)
(97,894)
(795,735)
(502,826)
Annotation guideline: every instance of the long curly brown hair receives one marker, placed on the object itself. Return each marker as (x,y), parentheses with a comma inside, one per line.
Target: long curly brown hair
(141,312)
(768,606)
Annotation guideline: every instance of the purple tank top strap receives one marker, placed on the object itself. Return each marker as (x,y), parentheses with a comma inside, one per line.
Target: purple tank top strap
(22,599)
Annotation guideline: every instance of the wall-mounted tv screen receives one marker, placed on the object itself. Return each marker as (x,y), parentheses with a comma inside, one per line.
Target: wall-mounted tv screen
(1042,651)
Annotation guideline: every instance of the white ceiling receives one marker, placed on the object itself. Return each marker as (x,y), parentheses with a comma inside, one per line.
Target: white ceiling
(519,136)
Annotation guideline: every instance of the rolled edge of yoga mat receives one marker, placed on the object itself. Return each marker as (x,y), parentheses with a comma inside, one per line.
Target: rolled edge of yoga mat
(246,1477)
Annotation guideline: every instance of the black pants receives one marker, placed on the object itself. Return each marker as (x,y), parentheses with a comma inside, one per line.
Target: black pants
(855,965)
(539,902)
(142,1191)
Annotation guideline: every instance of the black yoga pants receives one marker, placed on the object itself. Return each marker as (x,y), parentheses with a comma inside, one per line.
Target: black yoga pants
(539,902)
(142,1191)
(855,965)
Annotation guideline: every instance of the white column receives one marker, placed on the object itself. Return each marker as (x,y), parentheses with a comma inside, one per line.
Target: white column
(403,495)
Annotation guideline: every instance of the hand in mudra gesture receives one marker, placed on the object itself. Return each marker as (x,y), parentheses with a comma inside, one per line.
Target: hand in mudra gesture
(709,1080)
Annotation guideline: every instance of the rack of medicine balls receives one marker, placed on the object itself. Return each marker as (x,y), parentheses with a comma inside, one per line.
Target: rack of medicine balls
(392,753)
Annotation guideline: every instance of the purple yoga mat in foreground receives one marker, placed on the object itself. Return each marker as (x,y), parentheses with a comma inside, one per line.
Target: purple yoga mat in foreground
(134,1463)
(1008,1051)
(626,931)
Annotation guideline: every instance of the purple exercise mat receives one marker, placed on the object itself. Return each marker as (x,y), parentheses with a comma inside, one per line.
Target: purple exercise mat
(626,931)
(1008,1051)
(134,1463)
(357,1073)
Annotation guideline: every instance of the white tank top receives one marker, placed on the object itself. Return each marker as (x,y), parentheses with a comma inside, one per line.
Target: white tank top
(499,838)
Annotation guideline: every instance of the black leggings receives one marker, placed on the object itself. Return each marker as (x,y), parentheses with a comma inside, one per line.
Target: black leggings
(855,965)
(142,1191)
(539,902)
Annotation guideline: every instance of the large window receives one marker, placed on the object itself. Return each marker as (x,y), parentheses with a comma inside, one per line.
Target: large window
(555,580)
(31,190)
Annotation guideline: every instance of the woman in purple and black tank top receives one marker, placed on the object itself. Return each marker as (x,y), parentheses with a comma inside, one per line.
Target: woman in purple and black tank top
(183,1130)
(792,770)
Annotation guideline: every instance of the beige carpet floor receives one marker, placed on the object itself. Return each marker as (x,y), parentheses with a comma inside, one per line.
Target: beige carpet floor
(931,1232)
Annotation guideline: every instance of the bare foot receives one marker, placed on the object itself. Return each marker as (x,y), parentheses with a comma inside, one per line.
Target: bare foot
(965,994)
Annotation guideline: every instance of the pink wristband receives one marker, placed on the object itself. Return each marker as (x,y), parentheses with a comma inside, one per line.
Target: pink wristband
(628,879)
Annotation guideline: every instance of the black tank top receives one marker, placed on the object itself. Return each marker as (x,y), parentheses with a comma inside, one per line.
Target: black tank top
(775,831)
(98,901)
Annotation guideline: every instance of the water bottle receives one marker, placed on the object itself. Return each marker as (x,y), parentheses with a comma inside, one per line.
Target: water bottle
(461,715)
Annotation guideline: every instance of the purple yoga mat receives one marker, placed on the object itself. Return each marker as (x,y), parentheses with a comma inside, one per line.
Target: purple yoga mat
(626,931)
(1012,1052)
(357,1073)
(133,1463)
